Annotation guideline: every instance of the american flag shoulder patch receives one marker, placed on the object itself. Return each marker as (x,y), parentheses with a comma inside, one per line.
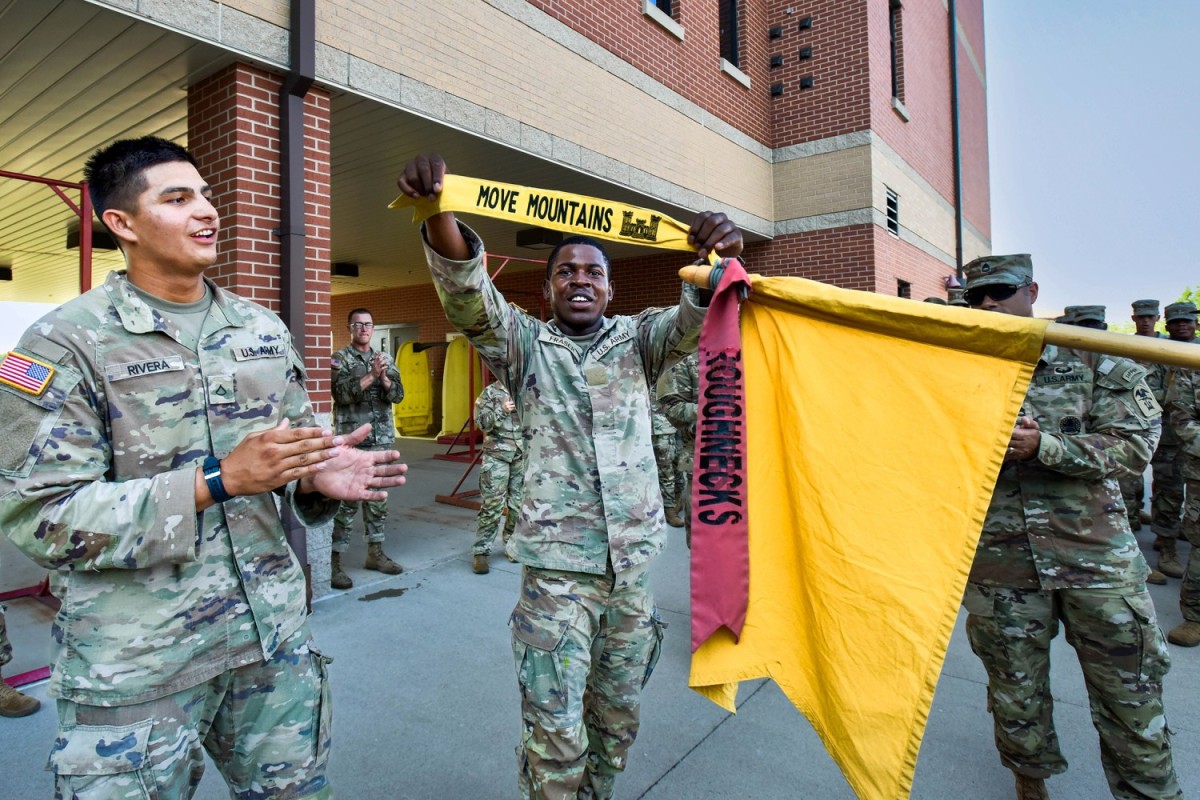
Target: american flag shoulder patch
(25,374)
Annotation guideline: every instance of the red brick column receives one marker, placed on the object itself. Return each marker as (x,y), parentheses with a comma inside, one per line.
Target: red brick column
(233,131)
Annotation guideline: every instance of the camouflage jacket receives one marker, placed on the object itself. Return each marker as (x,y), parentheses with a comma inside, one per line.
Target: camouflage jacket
(354,405)
(1183,408)
(97,482)
(590,491)
(502,429)
(1058,521)
(660,425)
(681,390)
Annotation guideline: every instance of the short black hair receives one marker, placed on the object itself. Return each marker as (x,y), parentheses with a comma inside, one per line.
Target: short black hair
(366,311)
(584,240)
(116,174)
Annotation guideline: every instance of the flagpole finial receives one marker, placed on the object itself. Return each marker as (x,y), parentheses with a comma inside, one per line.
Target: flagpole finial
(696,274)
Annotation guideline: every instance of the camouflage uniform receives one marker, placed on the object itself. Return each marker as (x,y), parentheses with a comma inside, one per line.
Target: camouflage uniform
(584,632)
(1133,489)
(352,407)
(97,484)
(500,468)
(1056,546)
(5,644)
(664,451)
(680,393)
(1183,408)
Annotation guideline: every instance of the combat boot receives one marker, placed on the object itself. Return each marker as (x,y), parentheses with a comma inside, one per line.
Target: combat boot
(15,704)
(1186,634)
(1031,788)
(673,518)
(480,565)
(1168,558)
(338,578)
(1135,523)
(1157,578)
(379,561)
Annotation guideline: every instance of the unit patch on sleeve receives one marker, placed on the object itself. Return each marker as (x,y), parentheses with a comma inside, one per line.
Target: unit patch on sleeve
(25,374)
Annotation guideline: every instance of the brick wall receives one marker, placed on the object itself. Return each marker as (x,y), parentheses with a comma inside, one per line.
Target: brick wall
(690,67)
(233,131)
(839,101)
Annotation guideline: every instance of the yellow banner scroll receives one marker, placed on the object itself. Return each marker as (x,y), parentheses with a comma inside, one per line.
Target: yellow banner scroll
(560,211)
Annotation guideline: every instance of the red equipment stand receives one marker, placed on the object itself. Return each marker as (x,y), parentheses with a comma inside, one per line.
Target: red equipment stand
(41,593)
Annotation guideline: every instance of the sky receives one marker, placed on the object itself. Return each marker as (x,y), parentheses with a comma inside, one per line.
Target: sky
(1094,146)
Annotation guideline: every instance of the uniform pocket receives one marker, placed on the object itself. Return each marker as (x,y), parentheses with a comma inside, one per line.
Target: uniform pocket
(979,601)
(98,762)
(323,721)
(537,639)
(1153,657)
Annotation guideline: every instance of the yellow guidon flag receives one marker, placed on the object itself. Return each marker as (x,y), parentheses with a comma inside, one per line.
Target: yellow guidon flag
(545,208)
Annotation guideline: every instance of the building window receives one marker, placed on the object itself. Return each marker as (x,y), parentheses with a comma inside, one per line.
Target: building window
(893,212)
(664,12)
(728,16)
(903,289)
(896,28)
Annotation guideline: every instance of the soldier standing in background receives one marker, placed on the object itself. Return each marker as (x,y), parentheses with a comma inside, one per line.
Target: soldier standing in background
(681,391)
(501,469)
(1056,548)
(664,457)
(1133,489)
(1166,502)
(12,702)
(366,384)
(585,632)
(1183,411)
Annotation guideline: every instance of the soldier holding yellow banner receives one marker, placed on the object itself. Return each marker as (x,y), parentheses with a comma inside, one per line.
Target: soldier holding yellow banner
(585,632)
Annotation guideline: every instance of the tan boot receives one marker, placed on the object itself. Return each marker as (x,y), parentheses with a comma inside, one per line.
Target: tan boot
(1186,634)
(1157,578)
(480,565)
(15,704)
(673,518)
(1031,788)
(379,561)
(1168,558)
(338,578)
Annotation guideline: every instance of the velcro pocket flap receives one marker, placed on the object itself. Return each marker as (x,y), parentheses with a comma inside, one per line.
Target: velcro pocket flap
(102,749)
(537,630)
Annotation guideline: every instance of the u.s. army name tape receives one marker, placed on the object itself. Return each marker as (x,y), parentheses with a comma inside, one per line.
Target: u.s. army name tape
(560,211)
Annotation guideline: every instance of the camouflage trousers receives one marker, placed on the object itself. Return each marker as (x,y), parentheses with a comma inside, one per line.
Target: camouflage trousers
(265,725)
(1123,656)
(499,490)
(1166,500)
(683,482)
(584,647)
(5,644)
(664,457)
(1189,593)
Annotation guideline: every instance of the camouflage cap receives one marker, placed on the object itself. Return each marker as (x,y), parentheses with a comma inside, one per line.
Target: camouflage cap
(1145,308)
(1085,313)
(1014,270)
(935,300)
(1185,311)
(1065,318)
(955,294)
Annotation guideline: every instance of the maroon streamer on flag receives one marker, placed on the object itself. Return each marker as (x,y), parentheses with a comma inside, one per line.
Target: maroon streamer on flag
(720,547)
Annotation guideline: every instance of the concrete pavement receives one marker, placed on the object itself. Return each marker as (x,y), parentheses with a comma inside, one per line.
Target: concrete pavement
(426,702)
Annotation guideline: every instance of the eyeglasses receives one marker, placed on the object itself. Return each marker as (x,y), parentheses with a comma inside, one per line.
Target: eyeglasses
(362,326)
(997,291)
